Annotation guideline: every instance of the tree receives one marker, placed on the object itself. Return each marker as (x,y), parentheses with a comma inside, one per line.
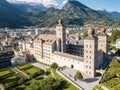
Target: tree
(115,35)
(54,65)
(52,84)
(37,73)
(117,52)
(29,57)
(115,64)
(107,76)
(112,71)
(85,35)
(78,76)
(21,81)
(35,85)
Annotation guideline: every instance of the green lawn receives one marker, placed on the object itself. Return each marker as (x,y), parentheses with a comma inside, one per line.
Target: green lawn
(97,88)
(113,84)
(70,87)
(11,79)
(4,72)
(24,67)
(8,78)
(33,70)
(27,85)
(28,69)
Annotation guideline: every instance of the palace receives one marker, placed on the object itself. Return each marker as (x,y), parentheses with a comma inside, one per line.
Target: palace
(85,57)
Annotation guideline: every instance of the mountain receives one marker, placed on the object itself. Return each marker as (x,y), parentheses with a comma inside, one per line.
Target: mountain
(77,9)
(27,7)
(11,16)
(114,15)
(30,8)
(73,13)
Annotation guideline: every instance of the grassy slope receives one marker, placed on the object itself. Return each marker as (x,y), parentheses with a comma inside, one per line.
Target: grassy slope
(71,87)
(26,85)
(113,73)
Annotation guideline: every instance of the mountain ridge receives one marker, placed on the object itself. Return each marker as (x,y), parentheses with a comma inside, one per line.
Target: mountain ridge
(9,15)
(73,12)
(113,14)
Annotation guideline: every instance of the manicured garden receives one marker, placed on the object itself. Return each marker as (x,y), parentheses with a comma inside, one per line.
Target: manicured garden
(97,88)
(30,70)
(11,79)
(14,81)
(38,82)
(8,78)
(111,78)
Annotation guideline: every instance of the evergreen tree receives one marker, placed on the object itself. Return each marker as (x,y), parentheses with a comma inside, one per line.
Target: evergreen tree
(78,76)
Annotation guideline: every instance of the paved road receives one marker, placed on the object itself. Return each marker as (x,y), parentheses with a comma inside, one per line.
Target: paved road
(21,73)
(44,67)
(86,83)
(53,74)
(1,87)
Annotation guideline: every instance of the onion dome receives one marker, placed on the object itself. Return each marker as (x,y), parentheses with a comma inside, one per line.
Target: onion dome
(103,30)
(91,31)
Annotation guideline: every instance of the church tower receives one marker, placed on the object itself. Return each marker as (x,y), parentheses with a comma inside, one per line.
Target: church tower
(102,47)
(90,53)
(61,33)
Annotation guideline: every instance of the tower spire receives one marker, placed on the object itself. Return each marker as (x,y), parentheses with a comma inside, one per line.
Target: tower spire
(91,31)
(60,21)
(103,30)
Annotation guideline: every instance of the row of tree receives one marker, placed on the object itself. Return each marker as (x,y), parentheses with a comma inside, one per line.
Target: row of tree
(115,35)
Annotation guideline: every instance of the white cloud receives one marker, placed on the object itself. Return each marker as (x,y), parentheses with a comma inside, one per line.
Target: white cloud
(57,3)
(44,2)
(65,1)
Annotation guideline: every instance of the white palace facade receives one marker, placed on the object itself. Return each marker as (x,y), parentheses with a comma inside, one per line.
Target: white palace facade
(53,48)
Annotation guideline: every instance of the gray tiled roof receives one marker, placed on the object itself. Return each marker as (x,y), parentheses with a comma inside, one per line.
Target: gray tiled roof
(90,37)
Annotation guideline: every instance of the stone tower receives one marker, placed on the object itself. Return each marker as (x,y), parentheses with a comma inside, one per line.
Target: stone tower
(61,33)
(90,53)
(102,47)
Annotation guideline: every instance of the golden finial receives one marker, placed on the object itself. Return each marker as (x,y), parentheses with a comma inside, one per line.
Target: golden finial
(103,30)
(91,31)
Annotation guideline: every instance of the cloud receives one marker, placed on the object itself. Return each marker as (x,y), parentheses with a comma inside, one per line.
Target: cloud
(65,1)
(44,2)
(57,3)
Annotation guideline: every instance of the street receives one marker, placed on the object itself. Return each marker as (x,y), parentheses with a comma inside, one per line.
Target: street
(85,84)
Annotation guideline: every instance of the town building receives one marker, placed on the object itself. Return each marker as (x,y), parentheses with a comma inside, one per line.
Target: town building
(6,54)
(118,43)
(81,55)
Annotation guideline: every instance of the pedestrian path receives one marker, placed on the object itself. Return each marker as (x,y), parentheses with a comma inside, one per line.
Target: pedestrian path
(44,67)
(1,87)
(84,84)
(20,73)
(53,74)
(104,88)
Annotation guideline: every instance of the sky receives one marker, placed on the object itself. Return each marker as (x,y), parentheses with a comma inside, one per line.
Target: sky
(109,5)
